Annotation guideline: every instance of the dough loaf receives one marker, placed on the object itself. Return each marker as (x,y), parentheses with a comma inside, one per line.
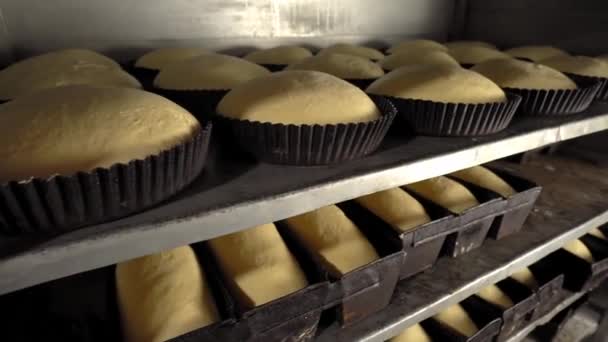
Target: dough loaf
(578,248)
(208,72)
(446,193)
(164,295)
(340,65)
(356,50)
(525,277)
(578,65)
(473,54)
(328,233)
(404,58)
(257,265)
(79,128)
(459,43)
(439,83)
(416,45)
(493,294)
(598,233)
(282,55)
(158,59)
(486,179)
(513,73)
(458,319)
(535,52)
(299,97)
(415,333)
(397,208)
(61,68)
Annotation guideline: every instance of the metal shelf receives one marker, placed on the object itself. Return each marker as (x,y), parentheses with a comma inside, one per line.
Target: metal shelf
(574,200)
(523,333)
(234,194)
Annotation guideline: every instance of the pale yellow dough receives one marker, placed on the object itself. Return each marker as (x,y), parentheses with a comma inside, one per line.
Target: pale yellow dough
(493,294)
(282,55)
(439,83)
(416,45)
(525,277)
(164,295)
(158,59)
(598,233)
(340,65)
(446,193)
(79,128)
(208,72)
(514,73)
(458,319)
(475,54)
(486,179)
(299,97)
(61,68)
(397,208)
(415,333)
(535,52)
(578,248)
(257,265)
(578,65)
(459,43)
(334,238)
(431,57)
(356,50)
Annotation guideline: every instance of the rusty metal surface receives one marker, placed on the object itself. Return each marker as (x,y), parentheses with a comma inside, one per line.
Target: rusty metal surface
(574,200)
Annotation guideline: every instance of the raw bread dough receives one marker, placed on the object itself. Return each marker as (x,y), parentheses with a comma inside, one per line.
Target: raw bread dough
(208,72)
(535,52)
(164,295)
(486,179)
(598,233)
(474,54)
(578,65)
(578,248)
(493,294)
(299,97)
(446,193)
(282,55)
(404,58)
(459,43)
(79,128)
(356,50)
(458,319)
(61,68)
(525,277)
(257,265)
(514,73)
(332,236)
(397,208)
(416,45)
(415,333)
(158,59)
(340,65)
(439,83)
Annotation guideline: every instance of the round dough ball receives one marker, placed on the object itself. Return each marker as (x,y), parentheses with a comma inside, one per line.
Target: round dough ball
(403,58)
(535,52)
(70,67)
(475,54)
(415,45)
(459,43)
(157,59)
(513,73)
(281,55)
(356,50)
(439,83)
(79,128)
(578,65)
(299,97)
(208,72)
(340,65)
